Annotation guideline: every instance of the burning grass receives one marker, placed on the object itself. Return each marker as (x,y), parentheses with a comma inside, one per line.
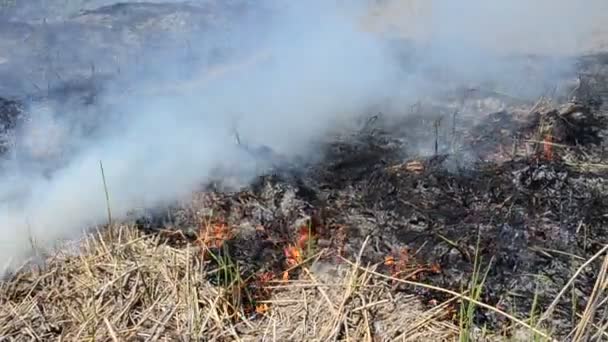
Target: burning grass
(370,244)
(125,285)
(122,284)
(501,239)
(374,242)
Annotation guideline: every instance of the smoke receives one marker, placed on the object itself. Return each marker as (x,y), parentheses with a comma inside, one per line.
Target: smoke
(519,46)
(173,131)
(288,73)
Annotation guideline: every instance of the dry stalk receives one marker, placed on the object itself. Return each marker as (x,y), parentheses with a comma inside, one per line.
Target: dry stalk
(553,304)
(124,286)
(581,332)
(459,295)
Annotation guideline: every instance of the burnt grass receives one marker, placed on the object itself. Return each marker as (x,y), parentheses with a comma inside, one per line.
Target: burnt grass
(529,219)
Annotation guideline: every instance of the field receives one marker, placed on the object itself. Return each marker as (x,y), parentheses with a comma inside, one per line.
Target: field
(474,214)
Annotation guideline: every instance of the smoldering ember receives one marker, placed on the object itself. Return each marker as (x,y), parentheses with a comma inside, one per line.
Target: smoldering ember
(484,208)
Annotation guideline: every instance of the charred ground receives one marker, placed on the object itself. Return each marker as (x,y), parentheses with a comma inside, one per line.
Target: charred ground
(522,189)
(525,196)
(531,210)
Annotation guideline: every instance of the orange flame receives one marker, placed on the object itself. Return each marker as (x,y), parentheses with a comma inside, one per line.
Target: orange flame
(293,255)
(261,309)
(214,235)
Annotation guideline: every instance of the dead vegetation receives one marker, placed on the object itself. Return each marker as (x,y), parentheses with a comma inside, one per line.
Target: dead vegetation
(498,233)
(372,243)
(121,284)
(124,285)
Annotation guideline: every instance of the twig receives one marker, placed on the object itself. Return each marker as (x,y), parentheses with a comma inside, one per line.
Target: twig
(459,295)
(582,333)
(565,288)
(160,325)
(110,329)
(340,319)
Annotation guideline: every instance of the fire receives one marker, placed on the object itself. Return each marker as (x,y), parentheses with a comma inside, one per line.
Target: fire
(294,252)
(261,309)
(293,255)
(214,235)
(402,266)
(304,237)
(389,260)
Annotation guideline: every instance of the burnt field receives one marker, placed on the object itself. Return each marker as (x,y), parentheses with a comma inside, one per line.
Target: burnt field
(476,192)
(522,197)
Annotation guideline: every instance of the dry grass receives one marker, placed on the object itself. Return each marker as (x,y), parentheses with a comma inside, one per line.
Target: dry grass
(125,286)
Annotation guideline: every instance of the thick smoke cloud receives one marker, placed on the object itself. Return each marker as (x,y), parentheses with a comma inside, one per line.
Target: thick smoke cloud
(174,132)
(291,73)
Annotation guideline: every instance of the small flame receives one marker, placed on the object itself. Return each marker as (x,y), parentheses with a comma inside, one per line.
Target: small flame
(261,308)
(293,255)
(214,235)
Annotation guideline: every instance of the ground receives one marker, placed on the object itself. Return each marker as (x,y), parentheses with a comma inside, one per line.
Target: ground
(497,233)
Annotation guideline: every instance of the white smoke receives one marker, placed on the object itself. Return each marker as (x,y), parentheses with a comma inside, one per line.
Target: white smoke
(303,70)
